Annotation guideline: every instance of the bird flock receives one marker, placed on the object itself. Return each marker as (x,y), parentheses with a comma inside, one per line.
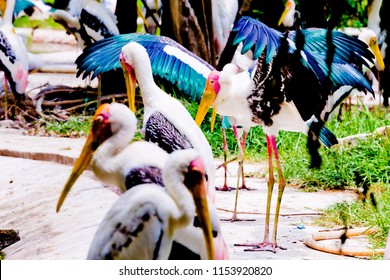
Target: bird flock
(167,206)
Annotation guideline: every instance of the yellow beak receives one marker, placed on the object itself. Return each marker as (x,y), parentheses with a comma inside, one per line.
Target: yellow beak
(213,117)
(201,206)
(3,6)
(205,103)
(285,11)
(80,165)
(130,81)
(377,53)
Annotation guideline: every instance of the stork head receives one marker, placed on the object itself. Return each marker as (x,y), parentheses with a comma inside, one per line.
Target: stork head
(109,120)
(185,166)
(211,90)
(369,37)
(286,16)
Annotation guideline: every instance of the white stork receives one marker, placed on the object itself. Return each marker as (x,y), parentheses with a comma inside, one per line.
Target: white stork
(166,121)
(88,20)
(143,223)
(13,55)
(116,162)
(271,97)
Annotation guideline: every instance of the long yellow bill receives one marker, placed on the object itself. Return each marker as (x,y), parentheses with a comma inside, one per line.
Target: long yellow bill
(80,165)
(213,117)
(377,53)
(94,139)
(205,103)
(130,81)
(199,194)
(285,11)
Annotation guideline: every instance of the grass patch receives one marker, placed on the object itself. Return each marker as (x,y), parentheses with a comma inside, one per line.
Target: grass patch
(25,22)
(74,126)
(361,213)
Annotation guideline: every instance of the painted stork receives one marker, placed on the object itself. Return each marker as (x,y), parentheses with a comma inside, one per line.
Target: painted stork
(144,221)
(272,98)
(13,55)
(132,166)
(88,20)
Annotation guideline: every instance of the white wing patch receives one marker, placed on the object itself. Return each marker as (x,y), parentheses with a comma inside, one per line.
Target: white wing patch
(194,63)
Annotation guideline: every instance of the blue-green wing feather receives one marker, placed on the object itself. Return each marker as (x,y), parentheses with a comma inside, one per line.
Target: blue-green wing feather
(176,64)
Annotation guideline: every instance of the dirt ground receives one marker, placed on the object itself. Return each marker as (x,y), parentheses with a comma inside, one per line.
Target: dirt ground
(34,170)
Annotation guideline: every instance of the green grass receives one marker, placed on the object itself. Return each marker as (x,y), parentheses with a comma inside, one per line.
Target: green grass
(363,214)
(25,22)
(74,126)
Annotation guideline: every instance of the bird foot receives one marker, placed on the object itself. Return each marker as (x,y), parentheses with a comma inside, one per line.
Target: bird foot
(244,187)
(225,188)
(262,246)
(234,218)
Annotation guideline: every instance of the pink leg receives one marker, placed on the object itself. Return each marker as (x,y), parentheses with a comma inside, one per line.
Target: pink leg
(266,244)
(234,217)
(243,142)
(224,149)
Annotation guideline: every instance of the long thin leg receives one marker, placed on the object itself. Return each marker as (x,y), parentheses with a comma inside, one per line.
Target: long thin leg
(240,156)
(5,98)
(266,245)
(224,149)
(281,186)
(243,142)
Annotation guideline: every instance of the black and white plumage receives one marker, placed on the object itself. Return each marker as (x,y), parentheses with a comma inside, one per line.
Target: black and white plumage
(282,90)
(13,53)
(144,221)
(88,20)
(116,162)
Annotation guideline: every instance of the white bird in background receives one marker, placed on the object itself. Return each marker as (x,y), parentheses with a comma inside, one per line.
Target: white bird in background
(166,121)
(13,55)
(373,18)
(116,162)
(288,16)
(88,20)
(224,13)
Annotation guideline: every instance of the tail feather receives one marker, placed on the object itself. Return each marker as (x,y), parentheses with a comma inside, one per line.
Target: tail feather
(327,137)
